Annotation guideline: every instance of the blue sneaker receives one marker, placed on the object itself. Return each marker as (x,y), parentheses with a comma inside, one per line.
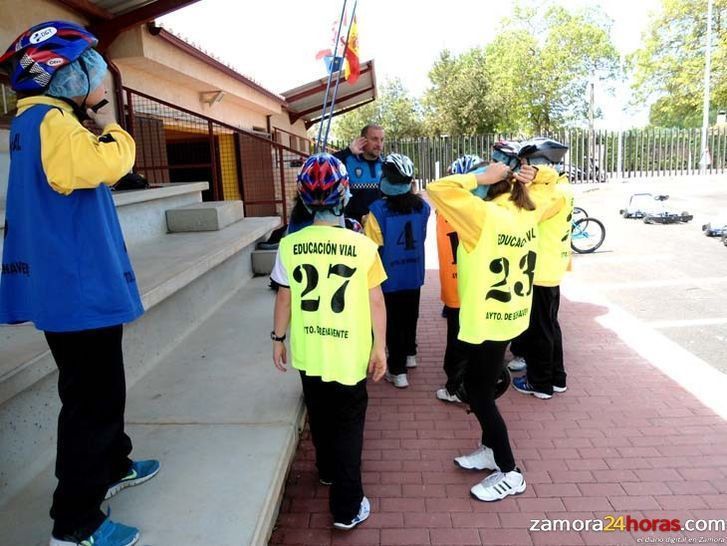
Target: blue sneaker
(109,534)
(140,472)
(520,384)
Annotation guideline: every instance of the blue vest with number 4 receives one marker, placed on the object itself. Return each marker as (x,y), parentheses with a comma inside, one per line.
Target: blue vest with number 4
(403,250)
(64,266)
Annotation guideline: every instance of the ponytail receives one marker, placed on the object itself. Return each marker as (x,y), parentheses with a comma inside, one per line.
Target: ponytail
(521,197)
(518,193)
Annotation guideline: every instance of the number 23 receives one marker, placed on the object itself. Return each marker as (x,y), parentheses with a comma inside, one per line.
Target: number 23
(502,266)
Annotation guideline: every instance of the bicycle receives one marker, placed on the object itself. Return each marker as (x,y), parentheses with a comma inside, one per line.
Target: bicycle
(587,233)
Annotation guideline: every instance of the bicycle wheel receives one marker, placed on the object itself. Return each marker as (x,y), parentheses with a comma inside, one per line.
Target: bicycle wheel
(579,213)
(587,234)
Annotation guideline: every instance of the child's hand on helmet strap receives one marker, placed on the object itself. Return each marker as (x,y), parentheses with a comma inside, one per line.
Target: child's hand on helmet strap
(526,174)
(494,173)
(102,118)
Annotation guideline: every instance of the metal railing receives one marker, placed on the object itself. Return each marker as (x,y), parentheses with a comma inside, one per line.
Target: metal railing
(177,145)
(593,156)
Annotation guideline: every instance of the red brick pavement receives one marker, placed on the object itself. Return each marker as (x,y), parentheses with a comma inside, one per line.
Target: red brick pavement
(624,440)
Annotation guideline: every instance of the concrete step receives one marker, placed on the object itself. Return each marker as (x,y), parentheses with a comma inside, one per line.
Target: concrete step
(223,421)
(183,279)
(141,212)
(209,216)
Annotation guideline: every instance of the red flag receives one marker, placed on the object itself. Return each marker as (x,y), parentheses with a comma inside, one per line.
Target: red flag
(353,66)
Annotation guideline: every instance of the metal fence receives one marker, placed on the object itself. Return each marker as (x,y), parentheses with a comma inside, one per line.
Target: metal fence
(593,156)
(176,145)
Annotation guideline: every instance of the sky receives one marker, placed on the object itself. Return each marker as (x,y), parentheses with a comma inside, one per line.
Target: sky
(275,41)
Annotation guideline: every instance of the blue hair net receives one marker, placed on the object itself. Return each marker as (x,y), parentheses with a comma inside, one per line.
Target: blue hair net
(73,81)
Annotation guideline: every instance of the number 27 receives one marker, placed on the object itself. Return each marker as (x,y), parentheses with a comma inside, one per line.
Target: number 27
(338,301)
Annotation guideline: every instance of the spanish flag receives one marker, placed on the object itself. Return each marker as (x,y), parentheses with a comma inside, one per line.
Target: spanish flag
(353,66)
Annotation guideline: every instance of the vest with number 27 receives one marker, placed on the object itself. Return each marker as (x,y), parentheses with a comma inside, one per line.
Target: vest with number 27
(330,329)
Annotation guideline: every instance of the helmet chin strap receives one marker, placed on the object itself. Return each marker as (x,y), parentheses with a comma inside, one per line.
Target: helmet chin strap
(83,106)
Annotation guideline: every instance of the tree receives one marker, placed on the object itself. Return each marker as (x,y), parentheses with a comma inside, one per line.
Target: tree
(394,109)
(531,78)
(669,68)
(459,101)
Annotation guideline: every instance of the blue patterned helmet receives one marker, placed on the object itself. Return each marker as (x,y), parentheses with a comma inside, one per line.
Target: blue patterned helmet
(464,164)
(37,54)
(323,183)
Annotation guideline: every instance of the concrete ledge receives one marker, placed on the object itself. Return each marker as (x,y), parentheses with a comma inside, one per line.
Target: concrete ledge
(223,421)
(123,198)
(209,216)
(163,267)
(141,212)
(263,261)
(184,278)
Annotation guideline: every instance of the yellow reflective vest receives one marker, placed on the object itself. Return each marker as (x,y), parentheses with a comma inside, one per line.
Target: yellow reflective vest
(331,270)
(497,255)
(554,235)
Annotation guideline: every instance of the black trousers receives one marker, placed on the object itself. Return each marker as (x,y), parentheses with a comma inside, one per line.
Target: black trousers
(517,345)
(93,449)
(336,415)
(455,355)
(402,314)
(484,366)
(544,341)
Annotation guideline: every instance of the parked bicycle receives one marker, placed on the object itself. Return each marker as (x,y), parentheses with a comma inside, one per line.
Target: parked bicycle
(587,233)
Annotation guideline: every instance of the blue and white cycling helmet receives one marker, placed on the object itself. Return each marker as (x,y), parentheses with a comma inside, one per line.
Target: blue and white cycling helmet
(464,164)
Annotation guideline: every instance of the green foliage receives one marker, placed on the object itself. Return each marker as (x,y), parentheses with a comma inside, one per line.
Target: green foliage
(394,109)
(459,101)
(669,67)
(531,78)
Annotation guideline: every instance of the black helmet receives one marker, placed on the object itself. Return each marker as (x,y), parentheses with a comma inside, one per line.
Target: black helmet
(542,150)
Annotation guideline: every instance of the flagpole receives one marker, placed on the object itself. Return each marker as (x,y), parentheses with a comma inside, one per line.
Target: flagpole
(330,76)
(338,76)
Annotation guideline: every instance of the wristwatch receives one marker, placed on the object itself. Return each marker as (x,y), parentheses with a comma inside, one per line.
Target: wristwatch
(276,338)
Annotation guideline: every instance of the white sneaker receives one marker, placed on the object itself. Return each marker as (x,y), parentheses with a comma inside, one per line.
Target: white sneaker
(497,486)
(411,361)
(482,458)
(559,389)
(517,364)
(443,394)
(399,380)
(363,514)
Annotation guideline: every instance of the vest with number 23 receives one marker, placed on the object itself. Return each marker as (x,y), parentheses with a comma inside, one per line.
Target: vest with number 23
(495,278)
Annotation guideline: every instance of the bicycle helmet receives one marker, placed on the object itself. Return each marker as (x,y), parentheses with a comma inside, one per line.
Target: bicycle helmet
(38,53)
(507,152)
(397,169)
(464,164)
(323,183)
(542,150)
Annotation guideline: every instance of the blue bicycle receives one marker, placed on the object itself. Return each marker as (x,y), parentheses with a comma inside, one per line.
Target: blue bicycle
(587,233)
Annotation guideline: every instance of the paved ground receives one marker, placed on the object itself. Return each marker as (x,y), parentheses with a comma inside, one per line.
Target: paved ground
(624,440)
(671,277)
(641,431)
